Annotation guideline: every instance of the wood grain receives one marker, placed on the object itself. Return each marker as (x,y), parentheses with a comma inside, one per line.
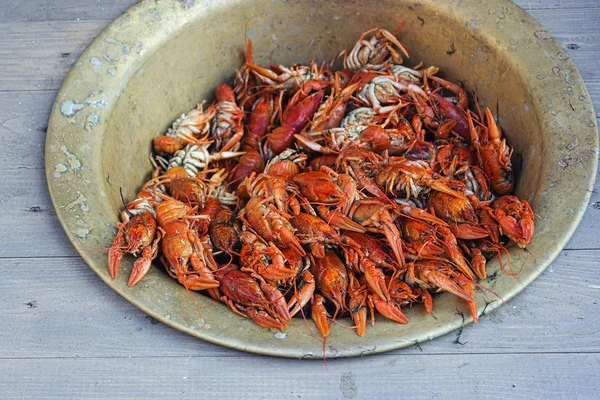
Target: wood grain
(67,305)
(29,226)
(23,124)
(38,55)
(63,10)
(391,376)
(65,334)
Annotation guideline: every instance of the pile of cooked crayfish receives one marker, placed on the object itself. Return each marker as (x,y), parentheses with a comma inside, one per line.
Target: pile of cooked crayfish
(312,191)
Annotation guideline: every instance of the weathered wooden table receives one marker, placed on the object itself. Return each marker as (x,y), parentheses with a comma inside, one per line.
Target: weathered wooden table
(65,334)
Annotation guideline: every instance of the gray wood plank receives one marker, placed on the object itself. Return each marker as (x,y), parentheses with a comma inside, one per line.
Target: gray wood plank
(38,55)
(23,124)
(71,10)
(63,10)
(555,4)
(66,334)
(397,376)
(29,226)
(57,307)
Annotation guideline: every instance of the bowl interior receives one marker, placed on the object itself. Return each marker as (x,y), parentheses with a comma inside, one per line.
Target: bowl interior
(182,52)
(205,53)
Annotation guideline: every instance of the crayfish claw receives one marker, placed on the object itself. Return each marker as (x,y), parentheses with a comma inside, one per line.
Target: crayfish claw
(478,263)
(393,236)
(203,279)
(277,300)
(319,315)
(142,265)
(468,288)
(442,187)
(389,310)
(357,305)
(360,320)
(339,220)
(468,232)
(303,296)
(265,320)
(291,241)
(140,269)
(420,214)
(314,146)
(115,254)
(447,284)
(375,279)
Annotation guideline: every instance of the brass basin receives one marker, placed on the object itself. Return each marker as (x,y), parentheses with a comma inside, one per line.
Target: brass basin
(159,59)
